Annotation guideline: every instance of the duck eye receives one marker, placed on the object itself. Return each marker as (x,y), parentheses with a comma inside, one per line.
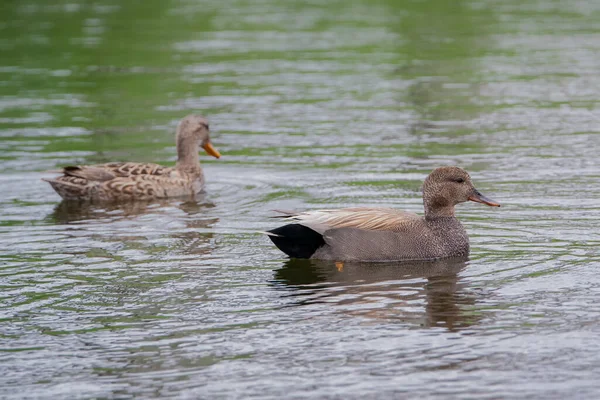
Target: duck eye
(459,180)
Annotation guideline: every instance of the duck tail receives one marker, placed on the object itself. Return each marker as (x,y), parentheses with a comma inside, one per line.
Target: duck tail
(295,240)
(67,190)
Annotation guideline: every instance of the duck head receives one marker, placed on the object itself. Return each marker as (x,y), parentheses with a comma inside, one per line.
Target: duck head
(445,187)
(193,132)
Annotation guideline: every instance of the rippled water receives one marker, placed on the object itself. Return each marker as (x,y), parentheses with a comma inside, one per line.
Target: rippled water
(313,104)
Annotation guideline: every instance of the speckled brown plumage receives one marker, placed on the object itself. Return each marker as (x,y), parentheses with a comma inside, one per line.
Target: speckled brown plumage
(119,181)
(384,234)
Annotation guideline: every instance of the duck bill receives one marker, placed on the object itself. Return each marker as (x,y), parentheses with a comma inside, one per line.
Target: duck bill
(210,150)
(479,198)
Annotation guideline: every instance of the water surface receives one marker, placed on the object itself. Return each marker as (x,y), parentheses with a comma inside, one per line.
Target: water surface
(312,105)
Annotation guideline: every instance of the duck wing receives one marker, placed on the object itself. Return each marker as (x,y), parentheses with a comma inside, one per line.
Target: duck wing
(104,172)
(147,186)
(88,173)
(364,218)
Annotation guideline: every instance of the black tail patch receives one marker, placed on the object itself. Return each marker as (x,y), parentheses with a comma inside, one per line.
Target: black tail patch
(297,241)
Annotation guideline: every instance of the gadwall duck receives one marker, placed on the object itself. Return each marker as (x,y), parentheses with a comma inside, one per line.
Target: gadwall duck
(142,181)
(384,234)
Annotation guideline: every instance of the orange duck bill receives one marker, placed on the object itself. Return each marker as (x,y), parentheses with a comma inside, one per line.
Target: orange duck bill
(210,150)
(479,198)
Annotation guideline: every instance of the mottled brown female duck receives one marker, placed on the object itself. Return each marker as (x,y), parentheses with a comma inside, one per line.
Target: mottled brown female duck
(384,234)
(123,181)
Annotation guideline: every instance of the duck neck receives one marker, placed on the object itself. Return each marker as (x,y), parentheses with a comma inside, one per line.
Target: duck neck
(187,154)
(437,211)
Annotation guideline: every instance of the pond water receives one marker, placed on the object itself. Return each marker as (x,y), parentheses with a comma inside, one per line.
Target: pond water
(312,104)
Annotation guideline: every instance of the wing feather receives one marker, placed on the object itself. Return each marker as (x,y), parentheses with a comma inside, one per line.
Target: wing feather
(123,169)
(106,172)
(371,219)
(88,173)
(149,186)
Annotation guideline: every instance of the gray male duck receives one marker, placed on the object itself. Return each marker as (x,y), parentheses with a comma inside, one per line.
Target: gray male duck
(386,234)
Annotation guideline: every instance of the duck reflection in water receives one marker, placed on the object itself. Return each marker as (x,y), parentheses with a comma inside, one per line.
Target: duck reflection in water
(192,230)
(72,211)
(426,294)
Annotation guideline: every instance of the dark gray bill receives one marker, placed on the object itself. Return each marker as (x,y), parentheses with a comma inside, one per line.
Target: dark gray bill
(479,198)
